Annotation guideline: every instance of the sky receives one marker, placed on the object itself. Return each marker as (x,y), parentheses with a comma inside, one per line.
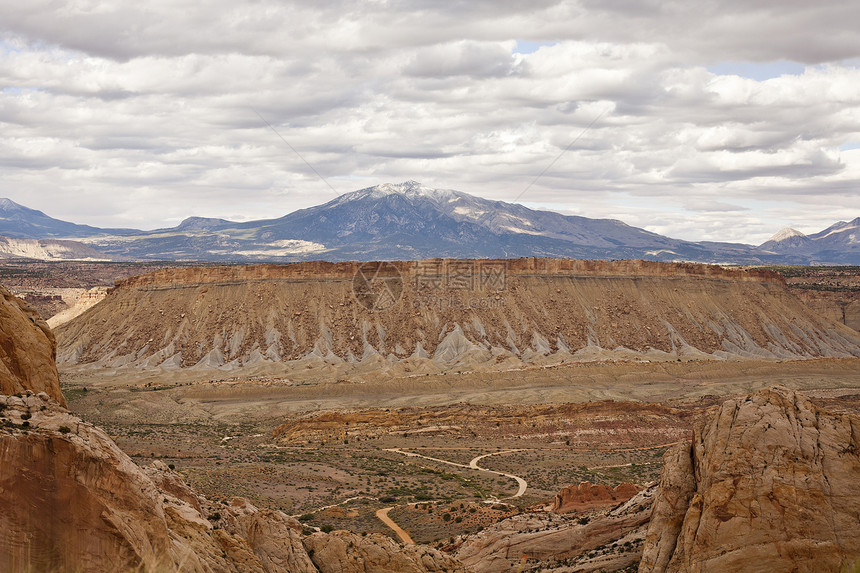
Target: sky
(698,120)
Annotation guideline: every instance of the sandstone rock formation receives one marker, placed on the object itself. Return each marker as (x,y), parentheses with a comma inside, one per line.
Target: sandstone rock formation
(347,552)
(606,542)
(27,350)
(585,496)
(771,483)
(464,312)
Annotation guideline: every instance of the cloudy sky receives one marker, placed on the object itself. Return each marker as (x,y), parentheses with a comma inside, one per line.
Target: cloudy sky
(700,120)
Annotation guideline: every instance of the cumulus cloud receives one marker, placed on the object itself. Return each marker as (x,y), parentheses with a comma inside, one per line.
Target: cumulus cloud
(141,114)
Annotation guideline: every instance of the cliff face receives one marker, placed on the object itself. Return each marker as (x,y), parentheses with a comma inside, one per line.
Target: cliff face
(468,312)
(411,269)
(27,350)
(771,483)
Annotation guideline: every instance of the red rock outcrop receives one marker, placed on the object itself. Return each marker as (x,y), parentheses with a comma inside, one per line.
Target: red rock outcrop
(27,350)
(771,483)
(585,496)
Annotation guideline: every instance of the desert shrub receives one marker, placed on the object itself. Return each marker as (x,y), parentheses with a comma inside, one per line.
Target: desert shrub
(306,517)
(327,528)
(64,429)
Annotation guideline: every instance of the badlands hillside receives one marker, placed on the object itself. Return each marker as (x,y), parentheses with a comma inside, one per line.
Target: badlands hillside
(449,312)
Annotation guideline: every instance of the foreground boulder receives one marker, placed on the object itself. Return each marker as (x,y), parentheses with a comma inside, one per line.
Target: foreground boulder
(771,483)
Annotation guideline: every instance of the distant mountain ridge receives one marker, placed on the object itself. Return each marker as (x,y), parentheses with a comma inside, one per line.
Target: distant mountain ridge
(838,243)
(406,221)
(20,222)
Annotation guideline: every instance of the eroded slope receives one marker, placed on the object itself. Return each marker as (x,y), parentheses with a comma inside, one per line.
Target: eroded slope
(451,311)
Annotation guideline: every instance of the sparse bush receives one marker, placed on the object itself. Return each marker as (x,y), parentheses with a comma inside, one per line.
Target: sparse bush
(306,517)
(64,429)
(327,528)
(215,517)
(446,517)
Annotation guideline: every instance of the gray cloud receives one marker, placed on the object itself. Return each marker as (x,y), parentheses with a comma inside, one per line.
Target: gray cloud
(126,114)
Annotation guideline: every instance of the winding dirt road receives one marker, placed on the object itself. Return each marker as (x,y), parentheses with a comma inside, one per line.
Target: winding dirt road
(382,514)
(473,465)
(520,481)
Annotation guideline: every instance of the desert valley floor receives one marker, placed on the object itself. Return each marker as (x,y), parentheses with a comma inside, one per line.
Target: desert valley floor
(312,438)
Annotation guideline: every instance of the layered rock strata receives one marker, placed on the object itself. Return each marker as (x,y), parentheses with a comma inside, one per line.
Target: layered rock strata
(464,312)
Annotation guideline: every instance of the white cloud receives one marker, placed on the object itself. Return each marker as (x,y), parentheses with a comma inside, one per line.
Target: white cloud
(140,114)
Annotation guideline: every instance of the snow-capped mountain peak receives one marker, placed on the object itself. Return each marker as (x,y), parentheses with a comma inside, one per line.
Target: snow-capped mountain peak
(407,189)
(786,233)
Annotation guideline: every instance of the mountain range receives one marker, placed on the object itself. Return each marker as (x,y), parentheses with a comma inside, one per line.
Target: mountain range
(408,221)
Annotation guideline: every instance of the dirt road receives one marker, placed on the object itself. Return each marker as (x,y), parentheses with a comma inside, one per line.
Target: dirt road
(520,481)
(473,465)
(382,514)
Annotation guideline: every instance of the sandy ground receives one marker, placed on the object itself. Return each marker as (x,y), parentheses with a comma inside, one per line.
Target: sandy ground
(200,396)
